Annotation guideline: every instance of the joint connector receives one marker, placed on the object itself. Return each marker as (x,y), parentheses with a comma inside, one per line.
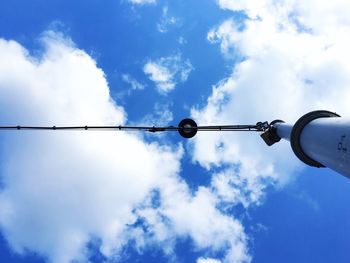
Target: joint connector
(270,136)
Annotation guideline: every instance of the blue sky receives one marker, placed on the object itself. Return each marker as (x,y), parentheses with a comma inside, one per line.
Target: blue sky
(120,197)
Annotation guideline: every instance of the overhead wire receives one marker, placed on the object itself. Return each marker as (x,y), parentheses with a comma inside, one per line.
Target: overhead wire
(187,128)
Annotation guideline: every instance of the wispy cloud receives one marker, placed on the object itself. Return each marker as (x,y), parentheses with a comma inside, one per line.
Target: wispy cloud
(182,41)
(142,2)
(166,21)
(160,116)
(134,84)
(167,72)
(208,260)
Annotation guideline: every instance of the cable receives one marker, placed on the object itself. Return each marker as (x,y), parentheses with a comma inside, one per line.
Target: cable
(138,128)
(187,128)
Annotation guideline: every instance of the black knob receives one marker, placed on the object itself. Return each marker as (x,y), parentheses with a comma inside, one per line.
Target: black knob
(187,128)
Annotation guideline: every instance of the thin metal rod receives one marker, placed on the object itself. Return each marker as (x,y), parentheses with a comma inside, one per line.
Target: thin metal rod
(140,128)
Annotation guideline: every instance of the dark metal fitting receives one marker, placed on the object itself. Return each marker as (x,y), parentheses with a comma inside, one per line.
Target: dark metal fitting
(297,131)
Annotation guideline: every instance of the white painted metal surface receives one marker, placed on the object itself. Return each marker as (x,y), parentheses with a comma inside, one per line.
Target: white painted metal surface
(325,140)
(283,130)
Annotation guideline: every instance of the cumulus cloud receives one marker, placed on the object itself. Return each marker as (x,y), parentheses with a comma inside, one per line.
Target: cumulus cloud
(319,16)
(290,62)
(253,8)
(167,72)
(199,218)
(61,190)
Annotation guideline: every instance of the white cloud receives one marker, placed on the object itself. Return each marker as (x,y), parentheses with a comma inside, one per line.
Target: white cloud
(253,8)
(135,85)
(197,217)
(167,72)
(291,63)
(61,190)
(320,16)
(166,21)
(182,41)
(142,2)
(208,260)
(161,116)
